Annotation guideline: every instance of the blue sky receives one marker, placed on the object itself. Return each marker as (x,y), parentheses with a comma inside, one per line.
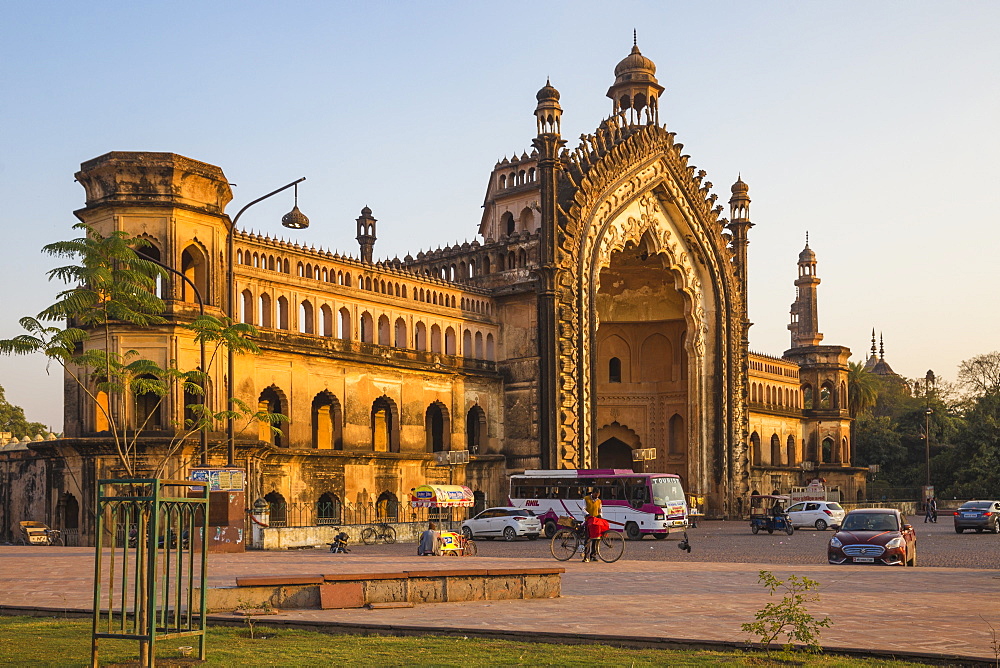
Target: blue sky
(871,125)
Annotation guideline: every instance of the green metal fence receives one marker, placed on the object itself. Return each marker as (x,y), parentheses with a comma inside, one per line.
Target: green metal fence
(151,563)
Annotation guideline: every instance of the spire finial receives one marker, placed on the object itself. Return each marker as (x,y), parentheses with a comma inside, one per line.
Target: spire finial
(881,347)
(807,238)
(635,38)
(873,342)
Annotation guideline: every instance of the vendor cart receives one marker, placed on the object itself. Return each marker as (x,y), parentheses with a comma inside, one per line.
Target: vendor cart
(442,496)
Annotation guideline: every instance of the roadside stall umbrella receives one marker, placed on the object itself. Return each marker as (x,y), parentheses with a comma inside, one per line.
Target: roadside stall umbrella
(442,496)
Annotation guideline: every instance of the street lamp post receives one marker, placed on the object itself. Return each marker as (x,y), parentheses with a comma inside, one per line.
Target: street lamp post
(295,219)
(928,387)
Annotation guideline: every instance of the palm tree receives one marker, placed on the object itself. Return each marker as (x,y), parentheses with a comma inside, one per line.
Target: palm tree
(862,389)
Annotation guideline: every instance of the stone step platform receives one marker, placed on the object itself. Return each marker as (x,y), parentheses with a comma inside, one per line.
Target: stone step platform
(356,590)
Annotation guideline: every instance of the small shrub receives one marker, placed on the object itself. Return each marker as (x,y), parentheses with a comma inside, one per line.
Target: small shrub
(250,613)
(788,617)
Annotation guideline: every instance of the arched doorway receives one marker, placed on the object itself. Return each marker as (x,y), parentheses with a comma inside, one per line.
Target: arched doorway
(387,507)
(475,429)
(279,511)
(385,425)
(614,454)
(437,427)
(642,326)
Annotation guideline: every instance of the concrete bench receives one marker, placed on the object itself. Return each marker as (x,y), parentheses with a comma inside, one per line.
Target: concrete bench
(355,590)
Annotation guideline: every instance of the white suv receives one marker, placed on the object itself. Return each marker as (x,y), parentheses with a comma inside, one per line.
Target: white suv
(819,514)
(507,523)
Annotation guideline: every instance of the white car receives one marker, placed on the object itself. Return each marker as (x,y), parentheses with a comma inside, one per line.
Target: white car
(507,522)
(818,514)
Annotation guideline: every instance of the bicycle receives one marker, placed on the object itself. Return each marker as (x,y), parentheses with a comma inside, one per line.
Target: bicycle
(569,541)
(379,532)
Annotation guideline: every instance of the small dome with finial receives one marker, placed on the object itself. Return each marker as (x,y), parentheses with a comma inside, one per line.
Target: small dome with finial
(547,92)
(740,187)
(807,254)
(365,211)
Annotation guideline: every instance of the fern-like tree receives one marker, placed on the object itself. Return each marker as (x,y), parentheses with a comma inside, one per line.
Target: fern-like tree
(110,285)
(862,389)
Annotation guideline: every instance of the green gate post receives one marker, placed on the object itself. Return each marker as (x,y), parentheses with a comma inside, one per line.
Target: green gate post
(160,538)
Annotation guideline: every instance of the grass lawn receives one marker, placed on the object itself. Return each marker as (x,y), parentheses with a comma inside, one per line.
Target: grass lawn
(37,642)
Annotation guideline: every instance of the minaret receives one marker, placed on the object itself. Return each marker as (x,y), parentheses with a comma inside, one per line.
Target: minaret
(548,143)
(636,92)
(366,234)
(739,224)
(805,318)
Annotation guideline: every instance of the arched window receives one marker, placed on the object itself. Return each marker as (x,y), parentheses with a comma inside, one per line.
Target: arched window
(826,396)
(775,450)
(491,353)
(449,341)
(435,339)
(270,262)
(400,337)
(327,422)
(271,400)
(328,509)
(282,312)
(265,310)
(326,320)
(790,457)
(367,328)
(467,349)
(195,267)
(755,455)
(486,265)
(385,425)
(246,307)
(437,427)
(384,333)
(479,345)
(102,409)
(678,436)
(807,397)
(194,403)
(387,507)
(420,336)
(828,450)
(153,253)
(614,370)
(279,510)
(507,225)
(344,324)
(70,512)
(307,321)
(475,429)
(149,394)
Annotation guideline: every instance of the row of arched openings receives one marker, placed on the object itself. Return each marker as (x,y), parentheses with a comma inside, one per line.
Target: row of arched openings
(194,267)
(516,178)
(829,398)
(327,421)
(267,313)
(774,395)
(777,453)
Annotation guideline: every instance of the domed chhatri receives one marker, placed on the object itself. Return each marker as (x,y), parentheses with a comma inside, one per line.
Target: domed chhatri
(740,187)
(636,92)
(637,66)
(547,93)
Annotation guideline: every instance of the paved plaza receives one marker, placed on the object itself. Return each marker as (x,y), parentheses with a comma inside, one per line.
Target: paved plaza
(931,609)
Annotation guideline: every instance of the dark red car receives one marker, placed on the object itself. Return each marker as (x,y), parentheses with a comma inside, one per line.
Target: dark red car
(874,536)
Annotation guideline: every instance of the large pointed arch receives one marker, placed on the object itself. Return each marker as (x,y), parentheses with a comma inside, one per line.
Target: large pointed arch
(631,185)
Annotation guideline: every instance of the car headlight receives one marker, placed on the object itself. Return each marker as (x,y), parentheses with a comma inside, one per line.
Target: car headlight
(659,516)
(895,542)
(835,542)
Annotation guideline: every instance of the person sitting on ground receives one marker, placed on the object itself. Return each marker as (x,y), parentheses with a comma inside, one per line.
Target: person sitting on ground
(430,542)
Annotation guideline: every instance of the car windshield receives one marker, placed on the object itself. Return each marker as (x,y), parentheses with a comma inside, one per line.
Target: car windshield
(976,505)
(834,506)
(666,490)
(870,522)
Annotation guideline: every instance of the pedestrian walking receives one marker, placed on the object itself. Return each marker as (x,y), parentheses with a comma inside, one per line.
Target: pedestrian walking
(593,505)
(934,509)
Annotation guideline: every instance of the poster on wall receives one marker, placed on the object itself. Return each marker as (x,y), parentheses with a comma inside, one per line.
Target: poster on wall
(220,479)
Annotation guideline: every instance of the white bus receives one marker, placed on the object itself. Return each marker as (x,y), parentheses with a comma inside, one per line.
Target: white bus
(639,504)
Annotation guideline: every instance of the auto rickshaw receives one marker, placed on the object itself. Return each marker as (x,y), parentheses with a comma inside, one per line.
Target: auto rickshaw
(769,512)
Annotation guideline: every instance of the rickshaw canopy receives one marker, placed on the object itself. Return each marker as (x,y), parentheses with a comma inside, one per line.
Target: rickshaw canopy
(442,496)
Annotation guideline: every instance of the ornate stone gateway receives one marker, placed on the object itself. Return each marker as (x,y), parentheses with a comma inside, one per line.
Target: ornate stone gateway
(636,249)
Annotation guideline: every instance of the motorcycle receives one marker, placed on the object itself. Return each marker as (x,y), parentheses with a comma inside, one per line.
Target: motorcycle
(339,544)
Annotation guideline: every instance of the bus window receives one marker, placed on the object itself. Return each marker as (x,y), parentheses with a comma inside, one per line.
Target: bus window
(666,490)
(638,493)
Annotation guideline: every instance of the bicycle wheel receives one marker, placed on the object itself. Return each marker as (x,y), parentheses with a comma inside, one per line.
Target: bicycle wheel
(611,547)
(368,535)
(565,544)
(389,535)
(470,549)
(59,541)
